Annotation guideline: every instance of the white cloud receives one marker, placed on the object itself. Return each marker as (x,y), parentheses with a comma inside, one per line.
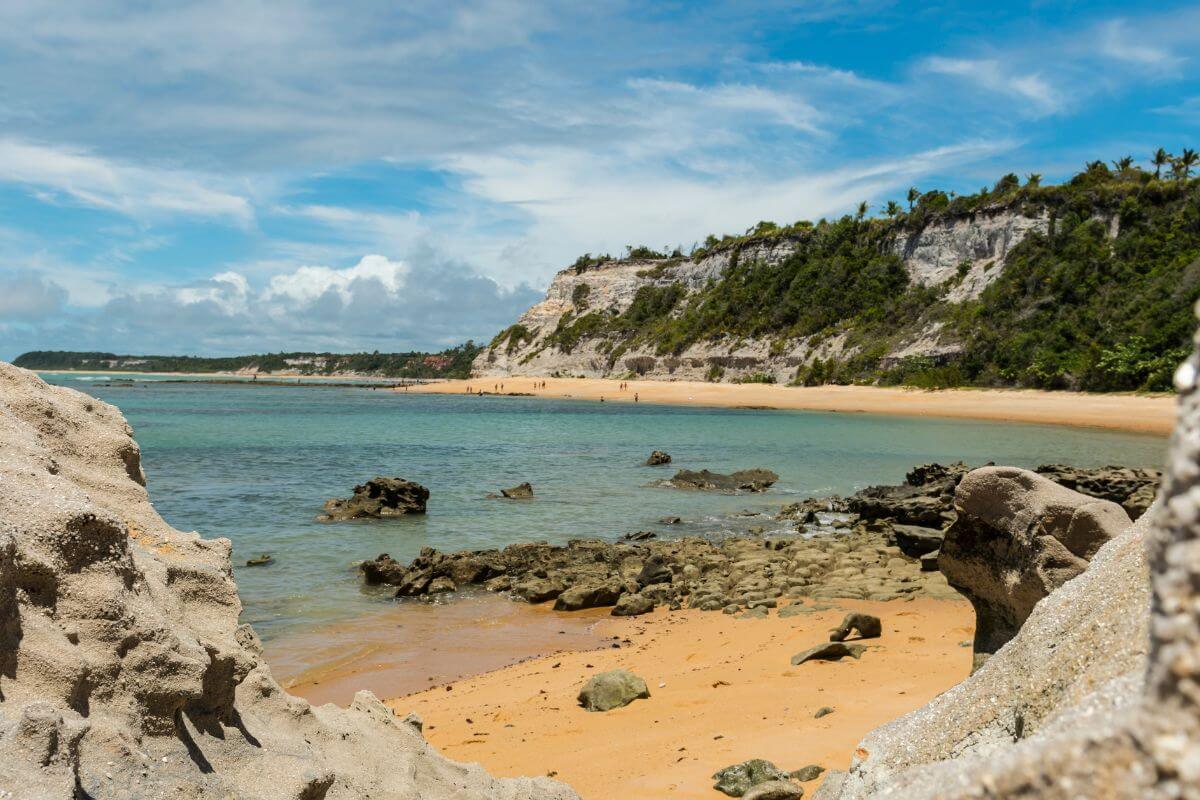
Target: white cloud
(137,191)
(307,284)
(994,76)
(29,295)
(1119,42)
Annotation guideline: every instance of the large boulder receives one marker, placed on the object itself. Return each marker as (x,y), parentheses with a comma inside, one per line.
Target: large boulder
(588,595)
(746,480)
(1018,537)
(124,670)
(377,498)
(613,689)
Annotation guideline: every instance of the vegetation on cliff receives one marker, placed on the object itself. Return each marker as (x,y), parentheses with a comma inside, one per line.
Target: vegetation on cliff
(452,363)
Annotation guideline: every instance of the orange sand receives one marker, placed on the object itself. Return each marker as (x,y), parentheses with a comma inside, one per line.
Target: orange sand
(722,691)
(1129,412)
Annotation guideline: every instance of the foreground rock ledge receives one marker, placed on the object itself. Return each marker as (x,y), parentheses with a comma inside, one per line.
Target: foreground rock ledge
(123,669)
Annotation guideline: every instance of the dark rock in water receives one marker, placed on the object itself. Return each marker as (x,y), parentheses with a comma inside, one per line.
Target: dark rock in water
(640,536)
(632,605)
(916,541)
(441,585)
(806,510)
(378,497)
(655,571)
(807,773)
(830,651)
(1018,537)
(610,690)
(1132,489)
(658,458)
(521,492)
(262,561)
(593,595)
(670,521)
(746,480)
(868,627)
(775,790)
(384,569)
(926,498)
(738,779)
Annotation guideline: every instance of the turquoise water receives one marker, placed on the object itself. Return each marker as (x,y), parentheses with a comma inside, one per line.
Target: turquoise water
(255,464)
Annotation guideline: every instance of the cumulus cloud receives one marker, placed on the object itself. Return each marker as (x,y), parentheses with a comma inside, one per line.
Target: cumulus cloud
(29,295)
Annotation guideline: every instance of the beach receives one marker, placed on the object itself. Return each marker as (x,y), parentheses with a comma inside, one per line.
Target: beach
(722,691)
(1140,413)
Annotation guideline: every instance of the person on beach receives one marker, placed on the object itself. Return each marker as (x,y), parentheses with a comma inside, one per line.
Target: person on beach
(635,399)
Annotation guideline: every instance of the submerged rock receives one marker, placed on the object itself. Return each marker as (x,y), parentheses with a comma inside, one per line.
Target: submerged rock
(614,689)
(746,480)
(658,458)
(522,491)
(377,498)
(737,779)
(260,561)
(1018,537)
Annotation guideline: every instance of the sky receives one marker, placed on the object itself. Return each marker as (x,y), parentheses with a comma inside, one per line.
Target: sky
(235,176)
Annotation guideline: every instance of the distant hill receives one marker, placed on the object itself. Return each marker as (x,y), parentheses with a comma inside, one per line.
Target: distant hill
(452,363)
(1089,284)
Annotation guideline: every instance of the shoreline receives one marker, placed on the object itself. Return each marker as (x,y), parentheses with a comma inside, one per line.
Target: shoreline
(1133,413)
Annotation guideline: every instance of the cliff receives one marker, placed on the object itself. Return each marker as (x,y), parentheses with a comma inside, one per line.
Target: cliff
(1085,285)
(123,669)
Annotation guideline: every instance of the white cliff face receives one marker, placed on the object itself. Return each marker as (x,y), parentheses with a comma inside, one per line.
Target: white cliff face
(975,247)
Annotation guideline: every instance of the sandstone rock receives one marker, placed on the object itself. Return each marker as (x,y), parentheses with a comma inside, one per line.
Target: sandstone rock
(737,779)
(868,627)
(378,498)
(523,491)
(657,458)
(655,571)
(807,773)
(613,689)
(775,790)
(124,671)
(916,541)
(747,480)
(632,605)
(1017,538)
(538,590)
(1132,489)
(592,595)
(830,651)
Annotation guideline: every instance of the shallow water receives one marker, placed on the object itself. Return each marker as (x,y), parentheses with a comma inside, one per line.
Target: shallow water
(255,464)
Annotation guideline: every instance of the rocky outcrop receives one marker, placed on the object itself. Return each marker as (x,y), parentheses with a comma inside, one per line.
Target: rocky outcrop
(1017,538)
(658,458)
(745,480)
(378,498)
(1132,489)
(1096,696)
(962,254)
(123,669)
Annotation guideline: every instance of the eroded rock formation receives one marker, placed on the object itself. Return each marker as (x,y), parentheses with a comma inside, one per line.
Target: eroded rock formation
(123,669)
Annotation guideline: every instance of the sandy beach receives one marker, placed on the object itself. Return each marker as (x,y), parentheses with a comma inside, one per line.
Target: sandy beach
(1140,413)
(722,691)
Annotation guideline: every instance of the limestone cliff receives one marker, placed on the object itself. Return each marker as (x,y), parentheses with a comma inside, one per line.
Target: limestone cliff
(961,255)
(123,670)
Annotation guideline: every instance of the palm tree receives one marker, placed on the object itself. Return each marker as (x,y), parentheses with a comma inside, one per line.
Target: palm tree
(893,209)
(862,210)
(1160,160)
(913,196)
(1185,162)
(1123,164)
(1033,180)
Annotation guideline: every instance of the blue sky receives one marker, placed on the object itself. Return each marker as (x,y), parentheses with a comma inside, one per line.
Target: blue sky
(248,175)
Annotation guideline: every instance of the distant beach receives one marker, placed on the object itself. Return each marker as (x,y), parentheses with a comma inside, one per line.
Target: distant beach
(1139,413)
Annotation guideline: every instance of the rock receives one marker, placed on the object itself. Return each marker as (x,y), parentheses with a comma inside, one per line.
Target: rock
(538,590)
(640,536)
(522,492)
(657,458)
(124,670)
(655,571)
(613,689)
(868,627)
(441,585)
(1132,489)
(916,541)
(261,561)
(775,790)
(924,499)
(670,521)
(757,612)
(823,711)
(808,773)
(738,779)
(747,480)
(929,561)
(378,498)
(592,595)
(632,605)
(1018,537)
(830,651)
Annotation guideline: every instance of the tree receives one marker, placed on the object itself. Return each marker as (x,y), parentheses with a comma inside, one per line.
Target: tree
(1033,180)
(1160,160)
(1185,162)
(1123,164)
(862,210)
(893,209)
(914,194)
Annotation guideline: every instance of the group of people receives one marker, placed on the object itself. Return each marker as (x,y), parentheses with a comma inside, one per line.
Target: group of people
(499,387)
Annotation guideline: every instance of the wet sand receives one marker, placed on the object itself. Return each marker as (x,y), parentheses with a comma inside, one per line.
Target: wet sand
(1140,413)
(410,646)
(722,691)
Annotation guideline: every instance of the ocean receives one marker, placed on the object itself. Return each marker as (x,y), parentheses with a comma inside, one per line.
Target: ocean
(256,463)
